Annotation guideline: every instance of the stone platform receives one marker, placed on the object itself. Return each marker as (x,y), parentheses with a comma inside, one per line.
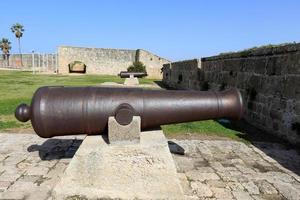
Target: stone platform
(31,166)
(129,171)
(132,81)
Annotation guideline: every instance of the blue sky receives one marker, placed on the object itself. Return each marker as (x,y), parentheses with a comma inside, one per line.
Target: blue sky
(174,29)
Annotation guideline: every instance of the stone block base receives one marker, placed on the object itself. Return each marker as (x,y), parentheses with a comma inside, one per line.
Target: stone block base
(128,134)
(135,171)
(131,81)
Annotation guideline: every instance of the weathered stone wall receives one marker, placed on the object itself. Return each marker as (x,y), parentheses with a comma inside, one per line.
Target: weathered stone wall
(268,78)
(153,63)
(98,61)
(182,74)
(108,61)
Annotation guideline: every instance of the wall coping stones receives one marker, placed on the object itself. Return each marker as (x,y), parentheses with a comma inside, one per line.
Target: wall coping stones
(260,51)
(182,62)
(167,60)
(77,47)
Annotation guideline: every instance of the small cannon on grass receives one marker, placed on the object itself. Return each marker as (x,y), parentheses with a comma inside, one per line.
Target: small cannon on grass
(125,74)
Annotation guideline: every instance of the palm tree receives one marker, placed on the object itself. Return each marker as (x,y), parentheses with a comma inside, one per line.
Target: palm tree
(18,30)
(5,47)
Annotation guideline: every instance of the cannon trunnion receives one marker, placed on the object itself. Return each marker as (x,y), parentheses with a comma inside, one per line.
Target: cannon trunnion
(56,111)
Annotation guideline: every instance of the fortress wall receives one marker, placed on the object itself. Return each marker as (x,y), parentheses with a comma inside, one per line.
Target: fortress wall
(153,63)
(98,61)
(182,74)
(268,78)
(109,61)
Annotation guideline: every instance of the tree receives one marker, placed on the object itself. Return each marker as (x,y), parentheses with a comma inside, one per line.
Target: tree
(18,30)
(5,48)
(137,67)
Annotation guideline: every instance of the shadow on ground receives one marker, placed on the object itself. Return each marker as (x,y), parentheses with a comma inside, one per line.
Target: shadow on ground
(286,154)
(162,85)
(53,149)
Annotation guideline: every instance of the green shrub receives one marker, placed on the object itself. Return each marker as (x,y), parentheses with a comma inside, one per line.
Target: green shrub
(137,67)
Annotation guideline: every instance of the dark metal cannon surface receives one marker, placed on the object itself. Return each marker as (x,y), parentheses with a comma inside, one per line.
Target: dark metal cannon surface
(125,74)
(56,111)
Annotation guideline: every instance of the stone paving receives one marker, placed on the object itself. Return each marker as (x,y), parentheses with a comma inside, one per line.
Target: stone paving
(210,169)
(234,170)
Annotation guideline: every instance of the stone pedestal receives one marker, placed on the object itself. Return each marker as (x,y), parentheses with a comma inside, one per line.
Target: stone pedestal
(134,171)
(131,81)
(128,134)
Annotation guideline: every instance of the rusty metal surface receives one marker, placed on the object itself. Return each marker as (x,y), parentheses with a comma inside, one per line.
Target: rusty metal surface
(125,74)
(58,111)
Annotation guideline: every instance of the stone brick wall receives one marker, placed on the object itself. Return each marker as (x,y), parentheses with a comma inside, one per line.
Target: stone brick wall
(98,61)
(268,78)
(108,61)
(153,63)
(182,74)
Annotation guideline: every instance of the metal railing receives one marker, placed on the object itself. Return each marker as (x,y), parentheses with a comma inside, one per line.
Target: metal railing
(35,62)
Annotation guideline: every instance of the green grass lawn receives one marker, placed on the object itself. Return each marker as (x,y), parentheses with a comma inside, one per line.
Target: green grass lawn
(206,128)
(17,87)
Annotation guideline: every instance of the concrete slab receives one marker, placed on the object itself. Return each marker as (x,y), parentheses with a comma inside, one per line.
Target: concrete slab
(137,171)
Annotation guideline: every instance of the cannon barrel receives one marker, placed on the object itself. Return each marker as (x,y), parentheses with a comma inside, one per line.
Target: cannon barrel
(125,74)
(56,111)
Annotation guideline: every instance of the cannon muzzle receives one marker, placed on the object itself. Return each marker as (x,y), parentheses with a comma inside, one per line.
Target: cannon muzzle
(56,111)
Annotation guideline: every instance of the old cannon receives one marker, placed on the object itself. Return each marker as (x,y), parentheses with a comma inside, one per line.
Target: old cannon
(125,74)
(57,110)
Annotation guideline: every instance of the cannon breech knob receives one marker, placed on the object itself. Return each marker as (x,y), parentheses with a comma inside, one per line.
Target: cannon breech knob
(22,112)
